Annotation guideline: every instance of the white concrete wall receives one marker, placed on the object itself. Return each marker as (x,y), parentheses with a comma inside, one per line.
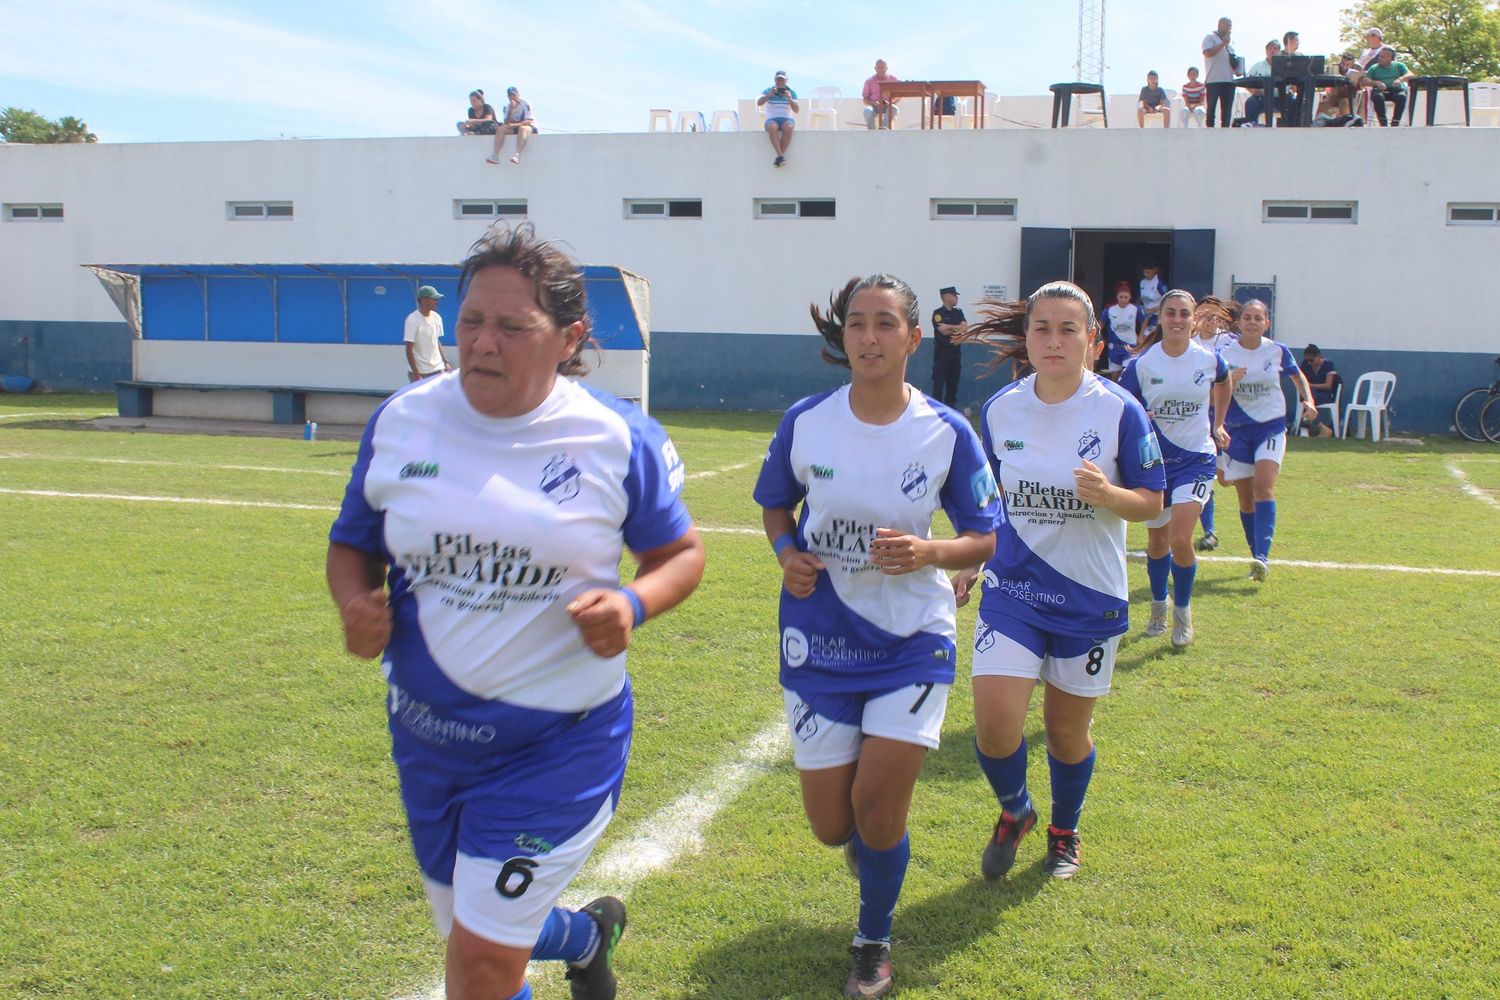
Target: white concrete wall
(1369,285)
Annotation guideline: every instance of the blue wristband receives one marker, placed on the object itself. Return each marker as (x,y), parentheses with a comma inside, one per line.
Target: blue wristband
(783,541)
(636,605)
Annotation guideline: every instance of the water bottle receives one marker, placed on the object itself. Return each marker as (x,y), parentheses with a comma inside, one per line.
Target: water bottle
(310,431)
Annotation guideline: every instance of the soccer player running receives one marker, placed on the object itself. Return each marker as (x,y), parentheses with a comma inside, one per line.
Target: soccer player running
(1123,323)
(867,615)
(1075,458)
(1213,327)
(1256,422)
(478,547)
(1185,390)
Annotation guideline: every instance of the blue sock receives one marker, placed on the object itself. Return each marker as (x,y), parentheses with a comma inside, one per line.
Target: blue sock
(567,935)
(1070,783)
(881,874)
(1157,570)
(525,993)
(1265,528)
(1247,521)
(1182,583)
(1207,517)
(1007,776)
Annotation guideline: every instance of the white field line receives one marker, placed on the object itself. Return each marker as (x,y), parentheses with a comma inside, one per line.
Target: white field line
(50,413)
(182,465)
(268,505)
(707,473)
(1470,488)
(668,834)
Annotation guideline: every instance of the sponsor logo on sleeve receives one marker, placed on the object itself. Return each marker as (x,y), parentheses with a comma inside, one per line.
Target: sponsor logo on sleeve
(984,487)
(676,471)
(1150,452)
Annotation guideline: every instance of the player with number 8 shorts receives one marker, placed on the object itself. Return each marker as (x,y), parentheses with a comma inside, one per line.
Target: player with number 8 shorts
(1075,458)
(1182,385)
(868,637)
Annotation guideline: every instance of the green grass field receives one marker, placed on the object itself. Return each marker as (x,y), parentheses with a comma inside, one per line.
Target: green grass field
(196,799)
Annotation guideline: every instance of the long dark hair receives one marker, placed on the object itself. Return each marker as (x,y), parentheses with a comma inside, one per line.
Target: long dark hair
(1154,337)
(556,276)
(1003,327)
(831,323)
(1213,314)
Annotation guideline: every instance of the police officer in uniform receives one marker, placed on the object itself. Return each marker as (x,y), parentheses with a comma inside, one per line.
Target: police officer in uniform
(947,357)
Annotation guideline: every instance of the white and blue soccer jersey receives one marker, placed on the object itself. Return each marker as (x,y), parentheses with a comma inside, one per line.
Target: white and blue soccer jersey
(1059,562)
(1258,408)
(490,527)
(861,630)
(1176,393)
(1120,325)
(1153,290)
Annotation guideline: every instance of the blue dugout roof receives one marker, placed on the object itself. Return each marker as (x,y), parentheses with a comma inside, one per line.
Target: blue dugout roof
(331,303)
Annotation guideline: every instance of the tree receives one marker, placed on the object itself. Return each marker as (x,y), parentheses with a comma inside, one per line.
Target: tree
(18,125)
(1433,37)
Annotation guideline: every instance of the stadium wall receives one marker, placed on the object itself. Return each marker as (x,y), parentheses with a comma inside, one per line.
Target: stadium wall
(1399,288)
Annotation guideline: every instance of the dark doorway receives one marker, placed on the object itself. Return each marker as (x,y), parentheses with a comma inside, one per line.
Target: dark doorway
(1104,257)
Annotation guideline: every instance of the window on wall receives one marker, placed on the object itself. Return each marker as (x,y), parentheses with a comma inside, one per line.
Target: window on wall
(788,208)
(1474,214)
(489,208)
(257,211)
(1345,212)
(1000,209)
(664,208)
(34,213)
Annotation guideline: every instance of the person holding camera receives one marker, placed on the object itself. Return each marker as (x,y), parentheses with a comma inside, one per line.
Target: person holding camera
(780,102)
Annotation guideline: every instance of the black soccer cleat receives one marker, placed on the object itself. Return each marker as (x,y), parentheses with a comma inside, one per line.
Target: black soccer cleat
(870,972)
(1062,853)
(1000,852)
(596,980)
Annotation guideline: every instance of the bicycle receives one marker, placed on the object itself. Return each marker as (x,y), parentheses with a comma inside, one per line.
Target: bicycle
(1477,415)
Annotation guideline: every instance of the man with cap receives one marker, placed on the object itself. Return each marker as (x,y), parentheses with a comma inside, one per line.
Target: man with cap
(947,357)
(424,337)
(780,102)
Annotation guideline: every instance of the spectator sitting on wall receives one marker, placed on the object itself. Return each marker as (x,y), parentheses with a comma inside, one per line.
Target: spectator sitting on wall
(879,113)
(1194,98)
(780,102)
(517,122)
(1324,380)
(481,120)
(1220,67)
(1153,101)
(1255,104)
(1389,78)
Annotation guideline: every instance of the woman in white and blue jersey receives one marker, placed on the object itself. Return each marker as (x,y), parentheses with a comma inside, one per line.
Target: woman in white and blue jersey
(1213,327)
(1123,322)
(1185,390)
(1256,422)
(867,615)
(478,548)
(1075,459)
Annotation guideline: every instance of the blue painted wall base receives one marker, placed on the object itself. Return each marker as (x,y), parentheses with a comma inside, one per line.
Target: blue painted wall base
(66,357)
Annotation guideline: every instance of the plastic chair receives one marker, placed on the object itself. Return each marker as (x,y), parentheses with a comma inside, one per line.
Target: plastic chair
(1370,402)
(1332,408)
(824,106)
(725,121)
(1485,102)
(1155,121)
(661,120)
(691,121)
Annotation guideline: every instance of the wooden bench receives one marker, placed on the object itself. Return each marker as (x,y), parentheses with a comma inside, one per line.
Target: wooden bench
(288,403)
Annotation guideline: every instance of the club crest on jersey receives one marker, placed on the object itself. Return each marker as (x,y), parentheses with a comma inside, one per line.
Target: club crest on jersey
(984,636)
(804,721)
(1090,446)
(1200,376)
(914,482)
(1268,366)
(560,478)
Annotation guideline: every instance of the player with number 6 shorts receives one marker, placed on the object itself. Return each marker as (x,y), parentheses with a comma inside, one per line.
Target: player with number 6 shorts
(1183,387)
(1256,422)
(868,636)
(1075,458)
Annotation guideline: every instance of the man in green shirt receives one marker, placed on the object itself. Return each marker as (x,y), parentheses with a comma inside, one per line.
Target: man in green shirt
(1390,79)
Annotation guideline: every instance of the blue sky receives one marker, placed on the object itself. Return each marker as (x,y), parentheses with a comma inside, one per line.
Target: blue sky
(167,70)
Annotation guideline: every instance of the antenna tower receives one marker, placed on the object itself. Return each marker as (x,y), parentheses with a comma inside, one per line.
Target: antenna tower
(1090,65)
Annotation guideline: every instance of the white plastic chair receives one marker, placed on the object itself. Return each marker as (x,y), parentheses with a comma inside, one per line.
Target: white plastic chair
(1333,412)
(661,120)
(691,121)
(1155,121)
(1484,102)
(1370,402)
(725,121)
(824,106)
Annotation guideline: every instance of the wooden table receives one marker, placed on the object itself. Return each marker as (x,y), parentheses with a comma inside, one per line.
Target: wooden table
(895,90)
(957,88)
